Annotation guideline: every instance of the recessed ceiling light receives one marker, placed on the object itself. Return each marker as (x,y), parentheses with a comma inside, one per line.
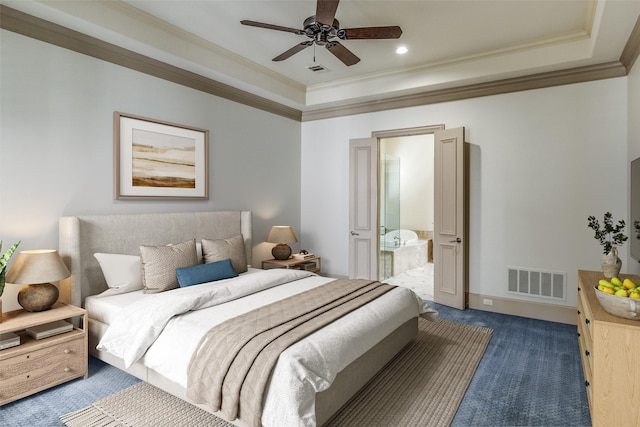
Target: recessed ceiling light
(402,50)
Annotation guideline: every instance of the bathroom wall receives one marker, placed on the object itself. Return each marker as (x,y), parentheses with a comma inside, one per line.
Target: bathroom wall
(416,180)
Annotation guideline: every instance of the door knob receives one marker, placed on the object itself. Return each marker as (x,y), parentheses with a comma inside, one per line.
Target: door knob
(458,240)
(353,233)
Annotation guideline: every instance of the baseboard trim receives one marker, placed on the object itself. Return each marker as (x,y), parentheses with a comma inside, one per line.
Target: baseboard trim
(531,309)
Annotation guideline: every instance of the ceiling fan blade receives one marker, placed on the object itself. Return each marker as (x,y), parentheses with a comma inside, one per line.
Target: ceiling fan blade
(392,32)
(326,11)
(271,26)
(342,53)
(297,48)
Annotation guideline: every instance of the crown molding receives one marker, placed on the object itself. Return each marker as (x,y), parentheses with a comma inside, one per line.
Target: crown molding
(631,49)
(516,84)
(39,29)
(48,32)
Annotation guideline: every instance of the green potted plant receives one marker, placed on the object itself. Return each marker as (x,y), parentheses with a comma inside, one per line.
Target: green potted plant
(610,237)
(4,260)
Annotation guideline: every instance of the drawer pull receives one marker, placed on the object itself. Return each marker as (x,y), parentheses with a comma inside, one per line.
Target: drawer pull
(586,353)
(587,321)
(67,351)
(578,312)
(67,369)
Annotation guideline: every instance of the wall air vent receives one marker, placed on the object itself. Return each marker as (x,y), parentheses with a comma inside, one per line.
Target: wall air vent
(318,68)
(537,283)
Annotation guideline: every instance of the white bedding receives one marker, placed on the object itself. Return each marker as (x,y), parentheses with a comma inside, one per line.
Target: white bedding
(163,330)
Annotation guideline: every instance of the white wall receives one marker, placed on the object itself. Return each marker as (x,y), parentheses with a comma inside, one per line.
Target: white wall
(416,179)
(541,162)
(56,143)
(633,92)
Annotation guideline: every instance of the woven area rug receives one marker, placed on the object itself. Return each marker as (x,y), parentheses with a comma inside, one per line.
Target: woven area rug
(422,386)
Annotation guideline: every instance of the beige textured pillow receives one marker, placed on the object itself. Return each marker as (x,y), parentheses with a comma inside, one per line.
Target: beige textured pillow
(220,249)
(159,265)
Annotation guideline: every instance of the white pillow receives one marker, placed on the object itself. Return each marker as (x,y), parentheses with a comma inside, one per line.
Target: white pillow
(121,272)
(199,252)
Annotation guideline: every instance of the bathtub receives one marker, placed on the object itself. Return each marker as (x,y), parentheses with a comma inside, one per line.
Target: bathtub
(401,250)
(400,237)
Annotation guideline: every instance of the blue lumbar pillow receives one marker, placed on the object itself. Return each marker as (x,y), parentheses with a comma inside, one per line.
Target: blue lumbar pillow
(203,273)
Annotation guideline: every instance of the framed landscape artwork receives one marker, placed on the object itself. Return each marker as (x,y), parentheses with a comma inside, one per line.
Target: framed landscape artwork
(159,160)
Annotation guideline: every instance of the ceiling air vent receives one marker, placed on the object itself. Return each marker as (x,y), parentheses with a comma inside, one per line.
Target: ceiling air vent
(318,68)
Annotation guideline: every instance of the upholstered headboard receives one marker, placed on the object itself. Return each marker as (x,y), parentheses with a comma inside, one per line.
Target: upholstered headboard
(82,236)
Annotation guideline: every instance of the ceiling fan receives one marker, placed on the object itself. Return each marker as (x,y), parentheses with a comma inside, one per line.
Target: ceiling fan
(322,28)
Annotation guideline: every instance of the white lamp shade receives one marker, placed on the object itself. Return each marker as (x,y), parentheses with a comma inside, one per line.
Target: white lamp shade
(37,266)
(281,234)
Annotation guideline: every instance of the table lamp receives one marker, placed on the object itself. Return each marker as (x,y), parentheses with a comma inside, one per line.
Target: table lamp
(281,235)
(35,269)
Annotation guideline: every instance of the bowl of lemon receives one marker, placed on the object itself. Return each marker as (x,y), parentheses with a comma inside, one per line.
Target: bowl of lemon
(620,298)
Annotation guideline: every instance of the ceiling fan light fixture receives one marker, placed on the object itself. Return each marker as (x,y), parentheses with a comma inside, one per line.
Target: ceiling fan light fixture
(323,27)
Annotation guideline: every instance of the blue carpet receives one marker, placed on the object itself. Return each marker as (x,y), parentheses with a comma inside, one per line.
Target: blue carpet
(530,375)
(43,409)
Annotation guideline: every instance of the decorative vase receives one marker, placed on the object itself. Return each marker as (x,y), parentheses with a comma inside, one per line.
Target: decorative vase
(281,251)
(38,297)
(611,264)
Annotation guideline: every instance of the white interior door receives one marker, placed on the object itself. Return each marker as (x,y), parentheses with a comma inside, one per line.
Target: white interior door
(363,208)
(449,219)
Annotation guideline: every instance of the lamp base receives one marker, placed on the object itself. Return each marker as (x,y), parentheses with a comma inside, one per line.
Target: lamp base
(281,251)
(38,297)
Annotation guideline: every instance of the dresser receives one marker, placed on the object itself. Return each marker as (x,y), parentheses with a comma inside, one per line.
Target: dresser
(38,364)
(610,352)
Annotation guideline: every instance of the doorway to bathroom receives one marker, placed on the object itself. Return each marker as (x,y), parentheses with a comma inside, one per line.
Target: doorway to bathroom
(406,212)
(450,218)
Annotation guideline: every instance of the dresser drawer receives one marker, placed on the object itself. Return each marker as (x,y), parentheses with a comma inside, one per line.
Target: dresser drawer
(587,361)
(584,333)
(584,311)
(39,369)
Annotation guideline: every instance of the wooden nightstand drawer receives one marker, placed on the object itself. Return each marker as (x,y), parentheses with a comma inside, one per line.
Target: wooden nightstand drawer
(42,368)
(36,365)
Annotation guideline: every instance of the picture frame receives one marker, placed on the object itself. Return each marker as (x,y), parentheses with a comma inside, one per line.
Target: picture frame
(158,160)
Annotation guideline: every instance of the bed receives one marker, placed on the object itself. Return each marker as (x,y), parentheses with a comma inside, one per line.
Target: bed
(301,390)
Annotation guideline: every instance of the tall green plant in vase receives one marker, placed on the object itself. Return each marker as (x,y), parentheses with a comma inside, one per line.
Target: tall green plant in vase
(610,237)
(4,260)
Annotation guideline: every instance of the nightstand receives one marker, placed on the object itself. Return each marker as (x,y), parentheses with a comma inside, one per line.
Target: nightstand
(309,264)
(36,365)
